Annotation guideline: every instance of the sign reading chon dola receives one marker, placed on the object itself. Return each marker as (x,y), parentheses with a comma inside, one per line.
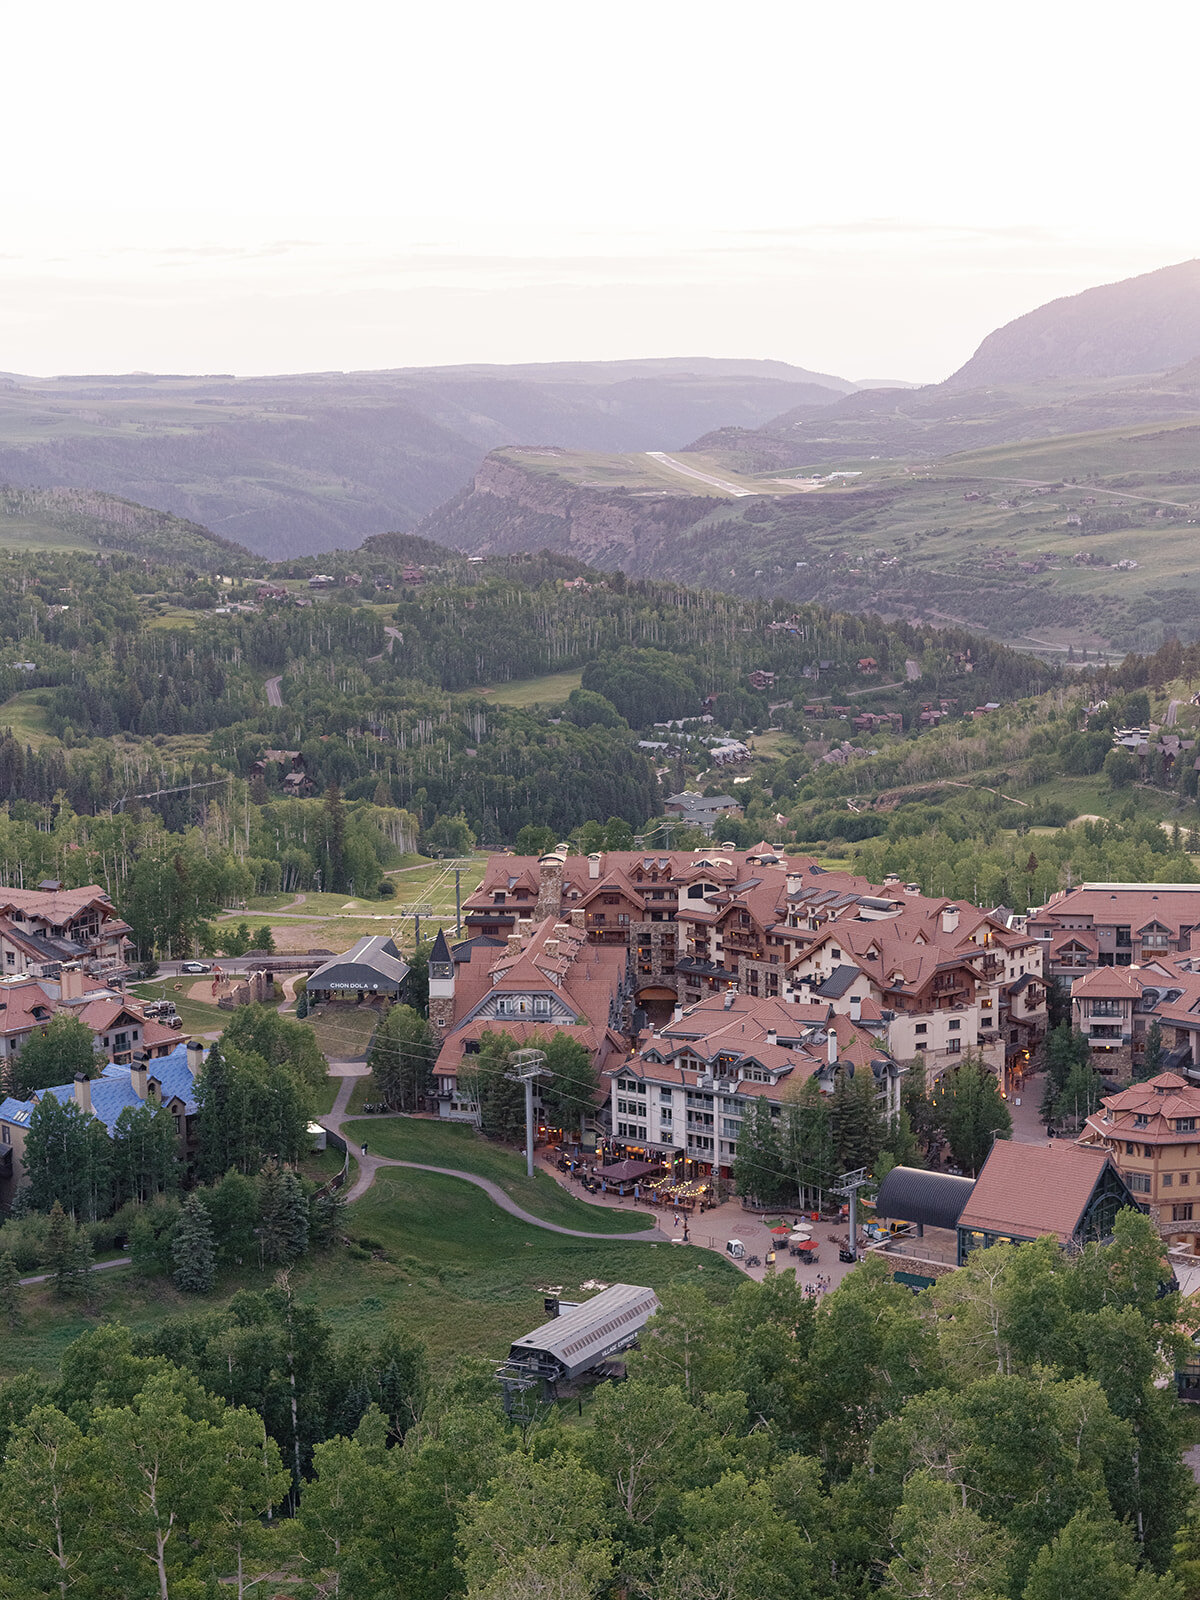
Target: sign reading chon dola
(338,984)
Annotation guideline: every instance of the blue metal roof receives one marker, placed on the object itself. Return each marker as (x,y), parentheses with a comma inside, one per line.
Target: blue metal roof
(113,1090)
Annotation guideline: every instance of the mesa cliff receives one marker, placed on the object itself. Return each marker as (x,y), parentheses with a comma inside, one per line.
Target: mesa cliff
(508,508)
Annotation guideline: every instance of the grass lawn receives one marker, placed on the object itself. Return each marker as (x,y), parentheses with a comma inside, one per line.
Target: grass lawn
(324,1096)
(524,692)
(363,1090)
(453,1269)
(25,713)
(198,1016)
(343,1031)
(451,1144)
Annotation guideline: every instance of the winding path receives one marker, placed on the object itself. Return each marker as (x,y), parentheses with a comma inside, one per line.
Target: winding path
(369,1166)
(274,698)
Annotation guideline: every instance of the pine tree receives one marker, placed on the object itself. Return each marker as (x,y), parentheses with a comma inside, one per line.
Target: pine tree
(282,1216)
(1151,1062)
(10,1291)
(856,1123)
(67,1254)
(758,1169)
(192,1249)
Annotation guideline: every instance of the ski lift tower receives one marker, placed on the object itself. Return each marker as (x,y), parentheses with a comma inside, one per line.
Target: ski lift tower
(527,1066)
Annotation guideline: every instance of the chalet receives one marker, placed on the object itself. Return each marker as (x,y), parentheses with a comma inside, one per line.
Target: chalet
(322,580)
(762,680)
(412,575)
(868,664)
(50,924)
(1115,924)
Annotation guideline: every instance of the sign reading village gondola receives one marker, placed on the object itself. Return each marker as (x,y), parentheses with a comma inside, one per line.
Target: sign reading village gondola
(373,967)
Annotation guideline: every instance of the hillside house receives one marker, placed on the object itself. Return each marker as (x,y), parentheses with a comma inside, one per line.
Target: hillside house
(867,665)
(1115,924)
(48,925)
(762,680)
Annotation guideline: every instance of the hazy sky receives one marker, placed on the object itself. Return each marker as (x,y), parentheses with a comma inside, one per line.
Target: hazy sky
(867,189)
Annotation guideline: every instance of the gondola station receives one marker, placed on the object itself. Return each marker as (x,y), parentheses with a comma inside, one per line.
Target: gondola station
(578,1339)
(373,969)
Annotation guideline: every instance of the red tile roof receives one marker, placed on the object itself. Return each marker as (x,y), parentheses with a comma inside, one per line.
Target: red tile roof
(1033,1189)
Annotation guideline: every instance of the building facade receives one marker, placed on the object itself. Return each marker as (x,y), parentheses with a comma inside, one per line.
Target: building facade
(1151,1133)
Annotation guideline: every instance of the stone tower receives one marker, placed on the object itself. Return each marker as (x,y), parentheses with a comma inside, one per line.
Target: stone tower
(441,985)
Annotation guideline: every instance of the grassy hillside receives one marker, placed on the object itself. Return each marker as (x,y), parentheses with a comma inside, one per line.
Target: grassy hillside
(82,519)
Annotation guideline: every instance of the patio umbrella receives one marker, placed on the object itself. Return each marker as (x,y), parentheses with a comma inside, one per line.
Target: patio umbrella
(807,1244)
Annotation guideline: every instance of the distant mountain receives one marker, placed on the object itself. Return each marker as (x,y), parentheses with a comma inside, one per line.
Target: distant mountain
(300,464)
(1140,325)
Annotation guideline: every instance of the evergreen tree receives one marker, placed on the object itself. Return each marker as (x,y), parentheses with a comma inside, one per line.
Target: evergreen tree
(807,1142)
(264,939)
(145,1150)
(10,1292)
(68,1254)
(283,1215)
(192,1249)
(856,1122)
(569,1094)
(971,1111)
(758,1169)
(233,1208)
(1080,1095)
(401,1059)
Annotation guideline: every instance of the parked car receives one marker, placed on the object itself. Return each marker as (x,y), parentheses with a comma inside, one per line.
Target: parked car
(194,966)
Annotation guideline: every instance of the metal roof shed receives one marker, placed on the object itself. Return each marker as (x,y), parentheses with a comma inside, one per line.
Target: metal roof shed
(581,1338)
(930,1199)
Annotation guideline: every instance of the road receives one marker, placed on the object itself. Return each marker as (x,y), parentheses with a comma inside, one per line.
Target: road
(702,477)
(274,698)
(1172,711)
(1070,488)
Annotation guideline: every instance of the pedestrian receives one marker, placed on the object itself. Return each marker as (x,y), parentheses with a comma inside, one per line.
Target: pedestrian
(364,1147)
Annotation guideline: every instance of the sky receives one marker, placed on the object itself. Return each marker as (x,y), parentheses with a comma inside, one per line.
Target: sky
(256,187)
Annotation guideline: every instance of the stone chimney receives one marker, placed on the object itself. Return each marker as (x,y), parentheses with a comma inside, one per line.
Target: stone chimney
(949,918)
(137,1074)
(550,946)
(550,880)
(195,1057)
(594,864)
(772,1036)
(72,983)
(514,944)
(856,1008)
(578,918)
(83,1091)
(525,926)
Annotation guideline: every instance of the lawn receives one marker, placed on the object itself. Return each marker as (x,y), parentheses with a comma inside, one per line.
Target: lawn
(198,1016)
(343,1031)
(454,1144)
(525,692)
(26,715)
(450,1267)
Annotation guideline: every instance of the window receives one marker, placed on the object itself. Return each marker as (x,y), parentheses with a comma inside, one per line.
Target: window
(5,1134)
(1139,1182)
(1182,1213)
(541,1005)
(1185,1125)
(623,918)
(1141,1120)
(1130,1148)
(10,959)
(1123,938)
(954,1046)
(1168,1180)
(955,1025)
(1106,1008)
(922,1027)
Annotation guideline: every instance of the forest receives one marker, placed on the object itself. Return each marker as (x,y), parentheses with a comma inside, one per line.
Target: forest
(1001,1436)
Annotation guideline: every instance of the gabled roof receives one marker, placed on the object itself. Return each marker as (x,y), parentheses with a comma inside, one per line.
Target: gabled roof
(1108,983)
(1028,1190)
(113,1091)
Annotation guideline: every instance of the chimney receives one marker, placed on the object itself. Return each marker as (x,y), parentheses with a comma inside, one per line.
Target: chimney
(594,864)
(137,1073)
(833,1047)
(729,999)
(71,983)
(578,918)
(514,944)
(856,1008)
(524,926)
(550,946)
(772,1036)
(83,1091)
(677,1015)
(195,1057)
(949,918)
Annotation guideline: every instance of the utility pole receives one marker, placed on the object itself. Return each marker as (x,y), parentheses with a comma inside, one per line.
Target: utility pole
(529,1066)
(849,1184)
(458,902)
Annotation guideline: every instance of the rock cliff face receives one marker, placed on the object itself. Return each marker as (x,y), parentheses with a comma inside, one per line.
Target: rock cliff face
(508,508)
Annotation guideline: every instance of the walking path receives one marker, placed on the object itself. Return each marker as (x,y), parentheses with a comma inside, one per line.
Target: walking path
(369,1166)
